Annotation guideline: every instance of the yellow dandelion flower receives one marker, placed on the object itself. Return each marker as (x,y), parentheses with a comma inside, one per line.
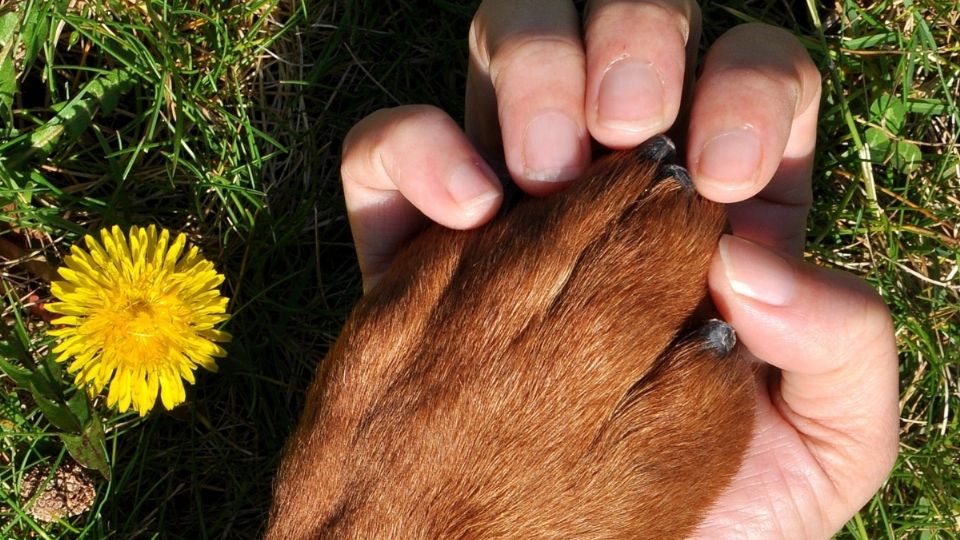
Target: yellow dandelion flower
(139,312)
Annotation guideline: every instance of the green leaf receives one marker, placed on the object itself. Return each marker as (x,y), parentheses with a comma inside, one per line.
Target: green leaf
(8,75)
(869,42)
(74,116)
(8,25)
(32,33)
(927,107)
(72,39)
(79,405)
(26,379)
(889,112)
(54,369)
(10,410)
(906,156)
(89,447)
(58,414)
(22,376)
(13,346)
(8,85)
(877,143)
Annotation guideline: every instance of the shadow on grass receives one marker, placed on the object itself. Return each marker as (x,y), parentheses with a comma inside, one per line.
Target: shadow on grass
(205,469)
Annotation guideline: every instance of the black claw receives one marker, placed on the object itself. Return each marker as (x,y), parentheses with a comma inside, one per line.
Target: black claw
(719,337)
(659,149)
(679,174)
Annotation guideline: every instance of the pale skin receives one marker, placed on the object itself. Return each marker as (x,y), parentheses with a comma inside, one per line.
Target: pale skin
(542,83)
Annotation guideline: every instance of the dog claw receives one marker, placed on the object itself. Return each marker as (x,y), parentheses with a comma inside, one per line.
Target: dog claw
(660,149)
(719,337)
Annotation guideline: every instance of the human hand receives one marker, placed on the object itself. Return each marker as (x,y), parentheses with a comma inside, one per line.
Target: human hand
(826,426)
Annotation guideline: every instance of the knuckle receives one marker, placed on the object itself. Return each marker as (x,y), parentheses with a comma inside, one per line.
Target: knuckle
(411,120)
(860,335)
(766,32)
(476,35)
(362,141)
(524,52)
(661,13)
(369,141)
(352,146)
(878,322)
(784,51)
(497,23)
(871,323)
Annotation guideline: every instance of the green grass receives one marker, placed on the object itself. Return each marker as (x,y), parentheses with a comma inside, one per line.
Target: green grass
(224,120)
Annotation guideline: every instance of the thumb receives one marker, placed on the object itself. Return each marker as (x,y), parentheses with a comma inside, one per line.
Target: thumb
(832,338)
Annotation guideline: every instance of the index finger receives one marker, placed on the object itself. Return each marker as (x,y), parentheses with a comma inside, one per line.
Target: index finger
(401,166)
(753,132)
(526,85)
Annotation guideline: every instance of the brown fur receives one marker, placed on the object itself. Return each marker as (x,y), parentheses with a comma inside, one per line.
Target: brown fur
(541,377)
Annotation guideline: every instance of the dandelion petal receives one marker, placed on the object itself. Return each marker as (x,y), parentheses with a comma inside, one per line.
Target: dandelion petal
(138,315)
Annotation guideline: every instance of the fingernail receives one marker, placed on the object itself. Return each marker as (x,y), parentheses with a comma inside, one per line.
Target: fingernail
(730,160)
(756,272)
(473,186)
(551,148)
(630,97)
